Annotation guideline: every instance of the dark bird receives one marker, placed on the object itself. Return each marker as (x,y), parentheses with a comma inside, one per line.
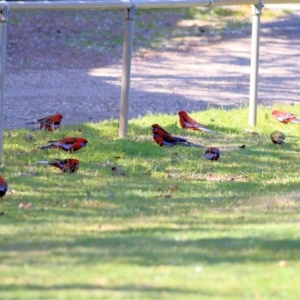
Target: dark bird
(212,153)
(277,137)
(50,123)
(285,117)
(67,144)
(3,186)
(69,165)
(187,122)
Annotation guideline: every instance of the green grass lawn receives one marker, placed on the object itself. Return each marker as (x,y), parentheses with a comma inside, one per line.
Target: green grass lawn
(139,221)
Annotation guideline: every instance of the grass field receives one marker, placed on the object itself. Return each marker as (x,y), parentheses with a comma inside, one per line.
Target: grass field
(139,221)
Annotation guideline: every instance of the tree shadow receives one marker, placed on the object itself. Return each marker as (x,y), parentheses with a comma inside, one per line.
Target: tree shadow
(162,82)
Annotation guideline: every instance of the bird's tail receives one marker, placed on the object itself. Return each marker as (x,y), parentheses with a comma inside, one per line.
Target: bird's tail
(32,122)
(296,121)
(207,130)
(44,162)
(46,147)
(190,144)
(215,132)
(35,123)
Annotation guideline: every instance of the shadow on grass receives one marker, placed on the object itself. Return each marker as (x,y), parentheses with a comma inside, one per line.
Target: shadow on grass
(154,247)
(144,290)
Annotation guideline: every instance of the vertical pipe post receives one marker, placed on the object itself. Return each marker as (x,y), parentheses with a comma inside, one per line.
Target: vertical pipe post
(127,52)
(3,25)
(256,10)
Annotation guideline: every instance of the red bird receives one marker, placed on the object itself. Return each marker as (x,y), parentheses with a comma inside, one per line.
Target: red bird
(3,186)
(285,117)
(168,140)
(69,165)
(50,123)
(67,144)
(212,153)
(187,122)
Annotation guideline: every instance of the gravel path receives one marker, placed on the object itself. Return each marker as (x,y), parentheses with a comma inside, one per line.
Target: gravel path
(45,77)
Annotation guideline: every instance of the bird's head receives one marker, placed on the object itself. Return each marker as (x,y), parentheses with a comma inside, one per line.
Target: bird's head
(213,153)
(83,141)
(155,126)
(182,113)
(275,112)
(59,116)
(157,131)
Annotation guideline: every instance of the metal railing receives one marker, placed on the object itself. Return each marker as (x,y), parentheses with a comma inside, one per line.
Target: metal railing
(129,7)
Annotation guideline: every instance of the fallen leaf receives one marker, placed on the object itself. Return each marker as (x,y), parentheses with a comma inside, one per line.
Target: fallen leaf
(251,131)
(25,205)
(282,263)
(173,188)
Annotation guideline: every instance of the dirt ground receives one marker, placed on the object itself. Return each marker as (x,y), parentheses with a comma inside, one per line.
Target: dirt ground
(48,70)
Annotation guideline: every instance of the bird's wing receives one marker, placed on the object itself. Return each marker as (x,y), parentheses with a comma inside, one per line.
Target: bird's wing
(62,144)
(210,155)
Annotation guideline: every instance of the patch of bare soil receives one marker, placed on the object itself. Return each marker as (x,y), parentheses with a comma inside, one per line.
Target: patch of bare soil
(71,62)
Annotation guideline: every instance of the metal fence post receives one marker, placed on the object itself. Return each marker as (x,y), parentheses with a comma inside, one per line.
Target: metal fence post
(254,62)
(3,25)
(127,51)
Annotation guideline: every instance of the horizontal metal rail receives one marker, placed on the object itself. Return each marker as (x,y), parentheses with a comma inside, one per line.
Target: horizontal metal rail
(233,2)
(69,5)
(146,4)
(127,4)
(281,2)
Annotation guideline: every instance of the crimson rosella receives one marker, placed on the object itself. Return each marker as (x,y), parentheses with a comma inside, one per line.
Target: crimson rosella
(285,117)
(168,140)
(3,186)
(69,165)
(277,137)
(67,144)
(212,153)
(50,123)
(187,122)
